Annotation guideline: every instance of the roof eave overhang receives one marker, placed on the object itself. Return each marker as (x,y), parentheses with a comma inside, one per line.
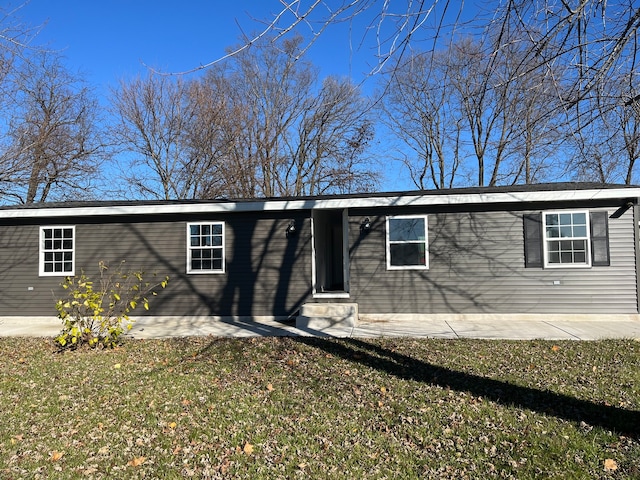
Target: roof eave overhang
(408,200)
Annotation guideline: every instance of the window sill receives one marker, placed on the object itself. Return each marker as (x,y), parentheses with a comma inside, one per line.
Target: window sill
(408,267)
(205,272)
(567,266)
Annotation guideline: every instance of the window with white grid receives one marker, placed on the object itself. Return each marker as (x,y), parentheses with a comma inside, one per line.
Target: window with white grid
(57,245)
(566,239)
(205,247)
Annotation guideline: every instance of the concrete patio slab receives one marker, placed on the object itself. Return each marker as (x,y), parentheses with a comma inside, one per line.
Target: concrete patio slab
(518,330)
(164,327)
(434,328)
(441,326)
(588,330)
(29,326)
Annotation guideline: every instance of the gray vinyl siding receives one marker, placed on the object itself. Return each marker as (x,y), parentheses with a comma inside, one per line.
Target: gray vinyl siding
(266,272)
(22,292)
(476,265)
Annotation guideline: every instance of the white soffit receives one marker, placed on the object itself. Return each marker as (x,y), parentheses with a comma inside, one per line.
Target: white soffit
(402,200)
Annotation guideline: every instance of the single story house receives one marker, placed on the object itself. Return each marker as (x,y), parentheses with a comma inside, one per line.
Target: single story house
(548,249)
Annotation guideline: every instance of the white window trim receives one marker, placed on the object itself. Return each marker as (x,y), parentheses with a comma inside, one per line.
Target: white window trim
(191,271)
(426,244)
(41,272)
(545,240)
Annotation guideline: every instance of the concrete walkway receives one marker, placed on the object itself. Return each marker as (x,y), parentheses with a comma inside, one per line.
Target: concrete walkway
(539,327)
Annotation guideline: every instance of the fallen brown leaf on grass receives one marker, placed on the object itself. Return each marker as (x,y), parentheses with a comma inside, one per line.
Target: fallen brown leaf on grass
(55,455)
(610,465)
(248,448)
(137,461)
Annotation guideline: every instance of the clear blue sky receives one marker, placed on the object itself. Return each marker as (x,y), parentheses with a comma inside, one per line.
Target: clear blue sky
(109,40)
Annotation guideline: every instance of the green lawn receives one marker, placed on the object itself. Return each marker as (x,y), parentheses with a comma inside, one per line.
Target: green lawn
(321,408)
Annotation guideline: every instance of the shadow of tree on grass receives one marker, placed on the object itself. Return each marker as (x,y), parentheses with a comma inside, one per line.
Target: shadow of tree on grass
(622,421)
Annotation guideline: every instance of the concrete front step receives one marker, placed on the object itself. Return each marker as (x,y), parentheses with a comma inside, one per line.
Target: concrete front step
(318,316)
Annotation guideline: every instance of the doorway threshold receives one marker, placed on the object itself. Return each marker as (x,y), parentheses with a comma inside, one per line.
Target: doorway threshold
(331,295)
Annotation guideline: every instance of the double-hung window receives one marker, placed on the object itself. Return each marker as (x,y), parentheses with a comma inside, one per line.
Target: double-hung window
(566,239)
(407,246)
(205,247)
(57,250)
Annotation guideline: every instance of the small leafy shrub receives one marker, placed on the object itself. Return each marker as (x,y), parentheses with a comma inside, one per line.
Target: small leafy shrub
(98,314)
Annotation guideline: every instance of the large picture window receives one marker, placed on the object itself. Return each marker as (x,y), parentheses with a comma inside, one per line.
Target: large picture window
(566,236)
(57,245)
(407,246)
(205,247)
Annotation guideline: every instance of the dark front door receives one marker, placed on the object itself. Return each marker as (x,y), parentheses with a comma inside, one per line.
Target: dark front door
(329,237)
